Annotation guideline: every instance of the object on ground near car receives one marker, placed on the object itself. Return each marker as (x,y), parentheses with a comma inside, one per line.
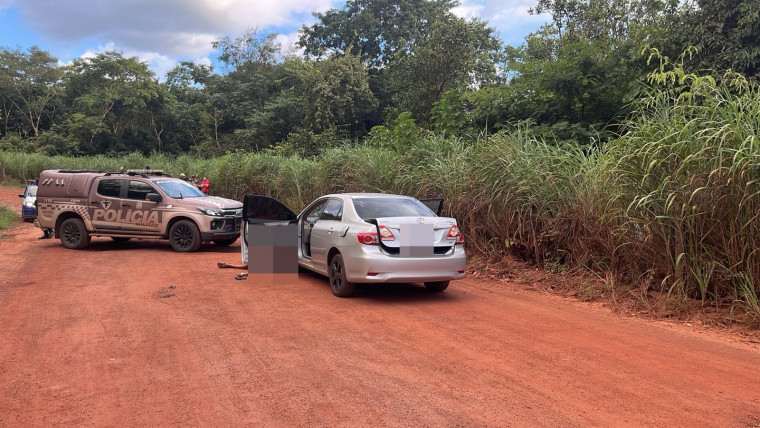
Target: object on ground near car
(372,238)
(80,204)
(28,199)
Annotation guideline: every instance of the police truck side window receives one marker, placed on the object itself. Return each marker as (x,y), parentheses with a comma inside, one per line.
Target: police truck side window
(139,190)
(109,188)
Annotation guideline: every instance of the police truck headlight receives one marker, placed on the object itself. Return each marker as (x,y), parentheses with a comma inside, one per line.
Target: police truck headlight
(214,212)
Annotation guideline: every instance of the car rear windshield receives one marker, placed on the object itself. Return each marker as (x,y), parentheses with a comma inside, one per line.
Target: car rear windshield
(390,207)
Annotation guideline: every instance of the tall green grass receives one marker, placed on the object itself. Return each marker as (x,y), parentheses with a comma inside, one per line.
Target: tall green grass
(671,205)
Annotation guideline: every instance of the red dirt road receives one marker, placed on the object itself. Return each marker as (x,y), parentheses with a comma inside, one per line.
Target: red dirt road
(135,334)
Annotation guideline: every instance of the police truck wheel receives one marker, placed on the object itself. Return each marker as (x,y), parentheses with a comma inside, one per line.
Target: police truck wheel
(225,242)
(73,234)
(184,236)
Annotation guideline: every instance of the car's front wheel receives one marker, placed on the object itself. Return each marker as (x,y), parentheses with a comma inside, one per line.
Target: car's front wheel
(437,286)
(73,234)
(340,286)
(185,236)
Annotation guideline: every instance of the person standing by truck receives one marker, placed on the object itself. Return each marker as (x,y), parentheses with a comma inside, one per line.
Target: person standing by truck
(205,185)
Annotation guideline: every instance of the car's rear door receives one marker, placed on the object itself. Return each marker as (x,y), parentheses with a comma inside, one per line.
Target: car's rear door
(140,215)
(105,204)
(325,231)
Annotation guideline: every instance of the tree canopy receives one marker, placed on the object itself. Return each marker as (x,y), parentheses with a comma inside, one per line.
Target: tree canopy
(373,66)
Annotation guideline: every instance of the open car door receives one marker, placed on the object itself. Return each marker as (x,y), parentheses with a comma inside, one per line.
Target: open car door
(435,204)
(263,218)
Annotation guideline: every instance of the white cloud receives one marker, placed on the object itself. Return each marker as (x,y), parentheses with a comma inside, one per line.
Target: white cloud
(163,32)
(159,31)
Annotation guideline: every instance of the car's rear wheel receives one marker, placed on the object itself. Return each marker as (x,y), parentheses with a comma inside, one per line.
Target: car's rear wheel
(437,286)
(225,242)
(73,234)
(340,286)
(185,236)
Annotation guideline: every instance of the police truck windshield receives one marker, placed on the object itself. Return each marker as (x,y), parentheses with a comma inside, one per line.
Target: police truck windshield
(179,189)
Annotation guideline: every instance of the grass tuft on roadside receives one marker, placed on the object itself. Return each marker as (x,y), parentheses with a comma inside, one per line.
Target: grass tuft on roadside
(7,217)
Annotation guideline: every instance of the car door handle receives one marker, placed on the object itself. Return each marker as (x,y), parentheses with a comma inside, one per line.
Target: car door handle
(95,203)
(126,205)
(330,230)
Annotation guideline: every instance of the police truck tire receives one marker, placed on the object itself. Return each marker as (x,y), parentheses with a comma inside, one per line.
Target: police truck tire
(73,234)
(185,236)
(225,242)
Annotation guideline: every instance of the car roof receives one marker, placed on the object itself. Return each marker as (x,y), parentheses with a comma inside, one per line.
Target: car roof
(369,195)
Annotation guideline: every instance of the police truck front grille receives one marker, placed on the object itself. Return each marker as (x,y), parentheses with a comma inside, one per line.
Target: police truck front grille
(235,213)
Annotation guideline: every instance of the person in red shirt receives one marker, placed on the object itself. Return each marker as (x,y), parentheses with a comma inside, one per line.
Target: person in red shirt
(205,184)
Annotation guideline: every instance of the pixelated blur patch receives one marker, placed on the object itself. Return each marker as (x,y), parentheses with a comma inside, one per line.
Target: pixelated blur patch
(416,240)
(273,248)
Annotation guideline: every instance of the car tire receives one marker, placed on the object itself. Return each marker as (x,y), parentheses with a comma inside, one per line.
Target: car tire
(437,286)
(185,236)
(336,271)
(73,234)
(225,242)
(120,238)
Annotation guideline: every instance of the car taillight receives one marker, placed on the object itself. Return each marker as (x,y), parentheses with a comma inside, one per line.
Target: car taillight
(369,238)
(386,234)
(454,233)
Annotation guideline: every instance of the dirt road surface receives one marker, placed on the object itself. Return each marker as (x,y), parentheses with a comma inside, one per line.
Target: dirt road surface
(135,334)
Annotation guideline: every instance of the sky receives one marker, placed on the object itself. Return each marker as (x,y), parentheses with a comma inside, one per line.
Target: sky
(164,32)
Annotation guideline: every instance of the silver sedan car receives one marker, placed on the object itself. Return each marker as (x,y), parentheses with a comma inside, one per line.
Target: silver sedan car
(373,238)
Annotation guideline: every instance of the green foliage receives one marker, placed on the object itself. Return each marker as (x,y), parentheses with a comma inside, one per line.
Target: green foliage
(373,30)
(689,161)
(454,55)
(7,217)
(726,34)
(29,89)
(337,94)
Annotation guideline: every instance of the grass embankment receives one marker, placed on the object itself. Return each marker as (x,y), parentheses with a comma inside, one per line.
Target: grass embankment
(669,206)
(7,217)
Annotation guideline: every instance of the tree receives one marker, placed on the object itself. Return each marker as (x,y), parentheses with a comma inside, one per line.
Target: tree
(187,82)
(248,48)
(456,54)
(726,34)
(336,94)
(373,30)
(30,82)
(112,98)
(575,75)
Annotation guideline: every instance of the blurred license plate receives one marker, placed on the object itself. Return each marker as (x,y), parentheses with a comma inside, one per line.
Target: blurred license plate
(416,240)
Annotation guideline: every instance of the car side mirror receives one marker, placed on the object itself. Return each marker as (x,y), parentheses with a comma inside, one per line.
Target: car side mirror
(20,196)
(154,197)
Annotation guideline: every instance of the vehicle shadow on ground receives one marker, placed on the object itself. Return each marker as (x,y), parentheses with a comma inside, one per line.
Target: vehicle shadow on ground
(391,293)
(107,244)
